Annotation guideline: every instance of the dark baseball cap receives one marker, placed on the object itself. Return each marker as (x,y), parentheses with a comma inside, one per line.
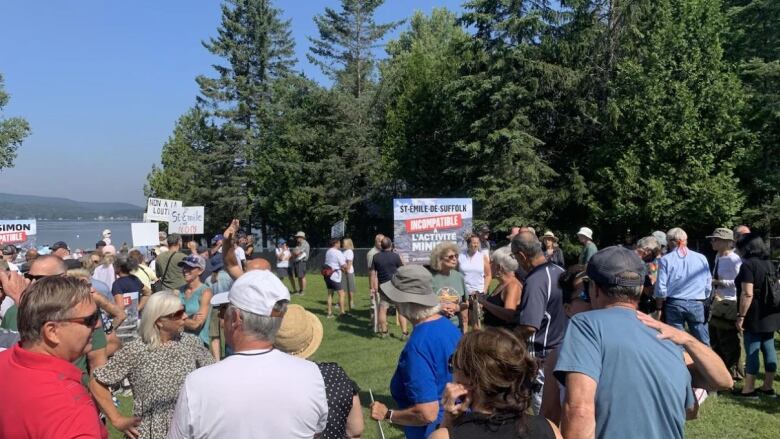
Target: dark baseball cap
(609,266)
(58,245)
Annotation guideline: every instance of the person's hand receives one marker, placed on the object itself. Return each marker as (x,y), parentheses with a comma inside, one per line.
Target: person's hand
(13,285)
(231,229)
(127,425)
(193,246)
(666,332)
(455,399)
(378,411)
(738,323)
(482,299)
(449,308)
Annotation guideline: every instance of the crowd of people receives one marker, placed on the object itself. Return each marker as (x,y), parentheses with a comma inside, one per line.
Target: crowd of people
(625,343)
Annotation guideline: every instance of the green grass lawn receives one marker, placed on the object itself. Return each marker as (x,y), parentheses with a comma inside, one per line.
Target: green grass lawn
(370,362)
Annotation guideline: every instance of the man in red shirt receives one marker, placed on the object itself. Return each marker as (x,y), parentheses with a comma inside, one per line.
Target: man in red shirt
(42,392)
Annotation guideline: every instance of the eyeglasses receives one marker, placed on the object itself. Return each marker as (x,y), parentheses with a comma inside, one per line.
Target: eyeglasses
(451,257)
(89,321)
(175,316)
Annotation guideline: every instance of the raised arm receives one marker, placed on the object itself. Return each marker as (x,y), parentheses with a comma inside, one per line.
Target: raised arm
(194,323)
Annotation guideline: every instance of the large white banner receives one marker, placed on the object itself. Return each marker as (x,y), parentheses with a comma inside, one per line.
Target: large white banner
(160,209)
(420,224)
(187,220)
(17,231)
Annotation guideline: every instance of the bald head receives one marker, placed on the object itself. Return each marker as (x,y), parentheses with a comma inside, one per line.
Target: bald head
(257,264)
(48,265)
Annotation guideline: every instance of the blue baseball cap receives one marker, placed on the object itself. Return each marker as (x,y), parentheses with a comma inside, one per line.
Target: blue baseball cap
(218,237)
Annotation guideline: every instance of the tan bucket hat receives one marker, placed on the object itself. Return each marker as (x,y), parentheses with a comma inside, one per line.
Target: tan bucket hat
(300,334)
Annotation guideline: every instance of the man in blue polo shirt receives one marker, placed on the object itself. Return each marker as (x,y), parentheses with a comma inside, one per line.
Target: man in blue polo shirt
(540,317)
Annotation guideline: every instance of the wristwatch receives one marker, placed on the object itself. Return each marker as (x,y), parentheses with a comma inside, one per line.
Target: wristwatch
(389,416)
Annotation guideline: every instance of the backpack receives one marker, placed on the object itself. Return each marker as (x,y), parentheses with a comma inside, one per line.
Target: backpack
(326,271)
(771,297)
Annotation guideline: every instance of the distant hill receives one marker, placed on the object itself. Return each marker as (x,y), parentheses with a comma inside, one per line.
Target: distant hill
(30,206)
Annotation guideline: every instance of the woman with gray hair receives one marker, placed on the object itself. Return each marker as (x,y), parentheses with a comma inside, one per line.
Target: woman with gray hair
(422,370)
(501,304)
(156,364)
(449,284)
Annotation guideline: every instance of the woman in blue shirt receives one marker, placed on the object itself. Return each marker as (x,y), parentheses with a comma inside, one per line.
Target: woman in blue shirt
(196,298)
(422,370)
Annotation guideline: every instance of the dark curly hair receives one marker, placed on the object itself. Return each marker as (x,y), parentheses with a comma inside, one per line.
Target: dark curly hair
(499,369)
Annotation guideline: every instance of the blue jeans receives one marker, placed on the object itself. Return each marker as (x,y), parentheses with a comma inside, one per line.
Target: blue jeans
(678,312)
(765,342)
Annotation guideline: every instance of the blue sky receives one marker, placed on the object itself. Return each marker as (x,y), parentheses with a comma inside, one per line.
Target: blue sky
(103,82)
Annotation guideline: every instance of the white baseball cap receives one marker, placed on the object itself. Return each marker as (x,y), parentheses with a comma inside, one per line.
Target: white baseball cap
(586,232)
(256,291)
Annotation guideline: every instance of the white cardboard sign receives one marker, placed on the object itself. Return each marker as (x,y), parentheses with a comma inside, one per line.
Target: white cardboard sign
(160,209)
(187,220)
(145,234)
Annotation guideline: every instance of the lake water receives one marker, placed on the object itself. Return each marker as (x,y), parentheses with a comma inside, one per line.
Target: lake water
(83,234)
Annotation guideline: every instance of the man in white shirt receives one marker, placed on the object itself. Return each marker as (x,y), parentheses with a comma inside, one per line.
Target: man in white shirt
(337,262)
(257,391)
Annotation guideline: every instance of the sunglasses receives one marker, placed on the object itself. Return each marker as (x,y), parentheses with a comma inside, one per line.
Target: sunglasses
(175,315)
(89,321)
(451,257)
(585,293)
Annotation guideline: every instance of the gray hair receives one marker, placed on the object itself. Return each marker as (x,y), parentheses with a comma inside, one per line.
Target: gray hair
(676,234)
(617,293)
(50,299)
(439,251)
(650,244)
(416,312)
(173,239)
(260,327)
(503,258)
(159,305)
(527,244)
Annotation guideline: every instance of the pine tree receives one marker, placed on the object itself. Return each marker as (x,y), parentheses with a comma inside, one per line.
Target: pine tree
(12,132)
(347,38)
(499,100)
(349,171)
(257,47)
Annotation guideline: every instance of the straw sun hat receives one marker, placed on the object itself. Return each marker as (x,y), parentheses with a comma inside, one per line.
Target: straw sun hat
(300,334)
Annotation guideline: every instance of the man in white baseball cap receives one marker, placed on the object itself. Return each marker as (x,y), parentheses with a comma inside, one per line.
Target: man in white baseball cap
(258,390)
(585,235)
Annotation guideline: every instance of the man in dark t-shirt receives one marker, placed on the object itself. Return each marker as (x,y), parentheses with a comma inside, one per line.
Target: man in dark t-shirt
(384,266)
(540,317)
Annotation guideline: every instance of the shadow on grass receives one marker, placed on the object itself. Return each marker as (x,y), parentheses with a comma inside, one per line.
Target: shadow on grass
(767,405)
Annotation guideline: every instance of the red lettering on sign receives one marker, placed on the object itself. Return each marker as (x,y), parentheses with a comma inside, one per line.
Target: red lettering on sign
(425,224)
(13,237)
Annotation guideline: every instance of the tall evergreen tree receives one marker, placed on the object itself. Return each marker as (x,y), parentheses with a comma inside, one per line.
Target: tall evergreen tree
(347,39)
(753,45)
(673,132)
(257,47)
(344,50)
(12,132)
(504,88)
